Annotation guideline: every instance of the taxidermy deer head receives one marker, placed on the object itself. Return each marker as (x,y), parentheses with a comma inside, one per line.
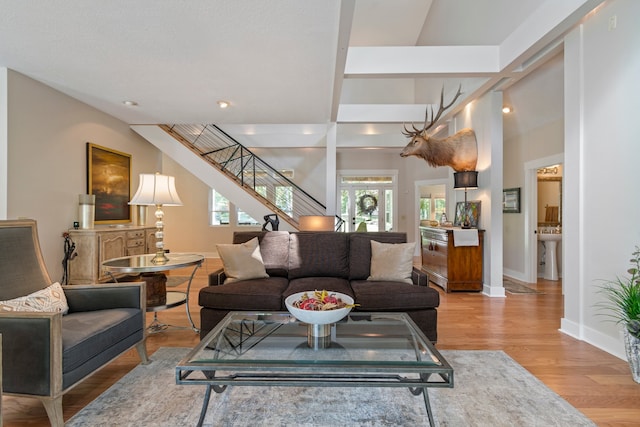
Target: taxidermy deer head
(460,151)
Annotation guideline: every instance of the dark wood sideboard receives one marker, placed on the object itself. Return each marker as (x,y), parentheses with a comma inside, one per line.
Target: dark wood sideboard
(454,268)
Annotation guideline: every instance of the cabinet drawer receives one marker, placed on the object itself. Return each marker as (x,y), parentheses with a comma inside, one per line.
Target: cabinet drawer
(134,243)
(138,234)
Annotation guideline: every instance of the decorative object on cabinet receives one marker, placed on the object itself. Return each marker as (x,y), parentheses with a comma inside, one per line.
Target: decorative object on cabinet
(109,179)
(511,200)
(465,180)
(472,212)
(156,189)
(94,246)
(86,210)
(453,268)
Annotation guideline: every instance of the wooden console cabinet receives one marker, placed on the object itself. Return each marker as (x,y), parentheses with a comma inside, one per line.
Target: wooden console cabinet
(93,246)
(454,268)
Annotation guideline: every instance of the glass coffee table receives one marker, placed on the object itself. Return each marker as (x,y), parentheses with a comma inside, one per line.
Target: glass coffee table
(275,349)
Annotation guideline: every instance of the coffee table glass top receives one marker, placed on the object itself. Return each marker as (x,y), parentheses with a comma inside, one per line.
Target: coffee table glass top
(384,342)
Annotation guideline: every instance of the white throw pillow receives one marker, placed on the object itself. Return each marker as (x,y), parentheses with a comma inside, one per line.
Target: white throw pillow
(391,261)
(242,261)
(50,299)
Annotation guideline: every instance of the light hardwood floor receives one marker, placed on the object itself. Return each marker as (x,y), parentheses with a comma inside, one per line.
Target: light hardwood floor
(524,326)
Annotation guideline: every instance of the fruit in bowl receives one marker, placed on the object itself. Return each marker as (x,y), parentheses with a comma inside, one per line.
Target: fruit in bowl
(319,307)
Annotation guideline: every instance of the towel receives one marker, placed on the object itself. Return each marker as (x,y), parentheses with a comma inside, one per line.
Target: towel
(465,237)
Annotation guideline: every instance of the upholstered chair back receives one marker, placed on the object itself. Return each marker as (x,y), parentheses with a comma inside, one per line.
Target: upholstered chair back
(22,269)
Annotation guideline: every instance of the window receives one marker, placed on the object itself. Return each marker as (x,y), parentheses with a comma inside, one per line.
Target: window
(284,199)
(222,208)
(432,207)
(219,209)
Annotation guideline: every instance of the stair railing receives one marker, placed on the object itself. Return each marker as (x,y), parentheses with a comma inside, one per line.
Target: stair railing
(265,183)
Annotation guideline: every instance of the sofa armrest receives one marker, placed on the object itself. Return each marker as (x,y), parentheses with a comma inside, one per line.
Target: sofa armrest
(217,277)
(106,296)
(32,348)
(419,277)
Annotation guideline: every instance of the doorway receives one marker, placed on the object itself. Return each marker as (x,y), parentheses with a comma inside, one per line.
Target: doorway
(532,218)
(367,200)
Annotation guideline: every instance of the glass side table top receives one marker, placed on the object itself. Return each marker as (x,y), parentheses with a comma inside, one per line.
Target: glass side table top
(143,264)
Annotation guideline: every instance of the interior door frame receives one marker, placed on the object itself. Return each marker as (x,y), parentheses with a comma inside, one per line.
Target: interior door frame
(531,213)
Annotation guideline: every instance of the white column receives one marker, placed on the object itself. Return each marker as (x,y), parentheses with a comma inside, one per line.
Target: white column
(331,169)
(4,142)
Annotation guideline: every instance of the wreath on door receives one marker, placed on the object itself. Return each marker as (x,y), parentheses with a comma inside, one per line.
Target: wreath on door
(367,204)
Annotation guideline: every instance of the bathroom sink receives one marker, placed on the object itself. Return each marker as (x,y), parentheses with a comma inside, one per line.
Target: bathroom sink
(550,237)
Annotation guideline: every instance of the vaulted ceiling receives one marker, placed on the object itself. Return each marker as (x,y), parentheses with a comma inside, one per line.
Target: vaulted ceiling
(288,67)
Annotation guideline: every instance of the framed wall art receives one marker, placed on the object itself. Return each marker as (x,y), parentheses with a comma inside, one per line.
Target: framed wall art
(472,211)
(109,179)
(511,200)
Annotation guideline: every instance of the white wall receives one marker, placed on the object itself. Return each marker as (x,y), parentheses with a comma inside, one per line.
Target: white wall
(601,153)
(47,136)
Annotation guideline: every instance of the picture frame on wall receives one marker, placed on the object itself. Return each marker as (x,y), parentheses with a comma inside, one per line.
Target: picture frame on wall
(511,200)
(109,179)
(472,211)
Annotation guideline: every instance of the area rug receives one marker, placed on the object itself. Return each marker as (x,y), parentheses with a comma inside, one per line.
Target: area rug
(491,389)
(517,288)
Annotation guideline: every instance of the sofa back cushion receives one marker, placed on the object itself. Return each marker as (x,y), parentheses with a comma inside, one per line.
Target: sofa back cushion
(360,251)
(274,248)
(318,254)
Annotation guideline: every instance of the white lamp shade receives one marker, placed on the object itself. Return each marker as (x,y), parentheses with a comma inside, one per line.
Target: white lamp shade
(317,223)
(156,189)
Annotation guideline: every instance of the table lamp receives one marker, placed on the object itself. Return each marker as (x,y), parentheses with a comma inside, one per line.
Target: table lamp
(159,190)
(465,179)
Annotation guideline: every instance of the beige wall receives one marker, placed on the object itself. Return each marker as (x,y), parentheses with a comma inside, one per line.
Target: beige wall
(47,136)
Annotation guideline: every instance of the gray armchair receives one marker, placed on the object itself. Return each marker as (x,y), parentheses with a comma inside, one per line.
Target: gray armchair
(44,354)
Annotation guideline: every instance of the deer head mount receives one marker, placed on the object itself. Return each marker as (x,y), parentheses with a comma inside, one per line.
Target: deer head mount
(460,151)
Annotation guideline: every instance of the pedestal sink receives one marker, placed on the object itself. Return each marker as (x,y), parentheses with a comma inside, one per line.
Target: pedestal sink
(550,259)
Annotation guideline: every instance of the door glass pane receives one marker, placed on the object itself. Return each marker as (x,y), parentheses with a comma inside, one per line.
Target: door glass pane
(344,210)
(388,210)
(367,210)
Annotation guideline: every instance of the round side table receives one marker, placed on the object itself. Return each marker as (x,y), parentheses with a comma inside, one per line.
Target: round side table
(138,264)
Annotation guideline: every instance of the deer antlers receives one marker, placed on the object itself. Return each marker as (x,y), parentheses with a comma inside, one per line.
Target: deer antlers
(428,123)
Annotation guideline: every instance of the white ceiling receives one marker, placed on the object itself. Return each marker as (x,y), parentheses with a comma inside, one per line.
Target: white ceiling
(288,67)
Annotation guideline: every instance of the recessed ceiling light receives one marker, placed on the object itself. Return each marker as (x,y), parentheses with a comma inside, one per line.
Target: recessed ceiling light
(223,104)
(130,103)
(506,110)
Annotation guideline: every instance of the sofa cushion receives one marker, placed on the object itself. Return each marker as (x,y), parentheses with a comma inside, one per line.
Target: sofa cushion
(333,284)
(255,294)
(50,299)
(393,296)
(242,261)
(319,254)
(391,261)
(360,251)
(274,247)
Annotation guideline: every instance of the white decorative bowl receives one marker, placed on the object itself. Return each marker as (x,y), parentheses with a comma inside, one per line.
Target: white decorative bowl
(318,317)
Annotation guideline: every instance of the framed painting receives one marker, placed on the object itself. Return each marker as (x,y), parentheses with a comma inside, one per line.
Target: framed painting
(511,200)
(109,179)
(471,211)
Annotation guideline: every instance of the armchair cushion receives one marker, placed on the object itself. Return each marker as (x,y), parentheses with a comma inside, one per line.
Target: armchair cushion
(50,299)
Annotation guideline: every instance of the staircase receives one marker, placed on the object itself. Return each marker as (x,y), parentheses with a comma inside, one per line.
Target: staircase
(257,178)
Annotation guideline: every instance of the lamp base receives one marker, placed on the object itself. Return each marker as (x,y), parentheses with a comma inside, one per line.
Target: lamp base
(160,258)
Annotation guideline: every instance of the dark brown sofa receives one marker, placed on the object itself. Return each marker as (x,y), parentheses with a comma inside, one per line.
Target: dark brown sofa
(303,261)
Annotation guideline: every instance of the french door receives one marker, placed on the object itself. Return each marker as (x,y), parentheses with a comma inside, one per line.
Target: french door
(367,203)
